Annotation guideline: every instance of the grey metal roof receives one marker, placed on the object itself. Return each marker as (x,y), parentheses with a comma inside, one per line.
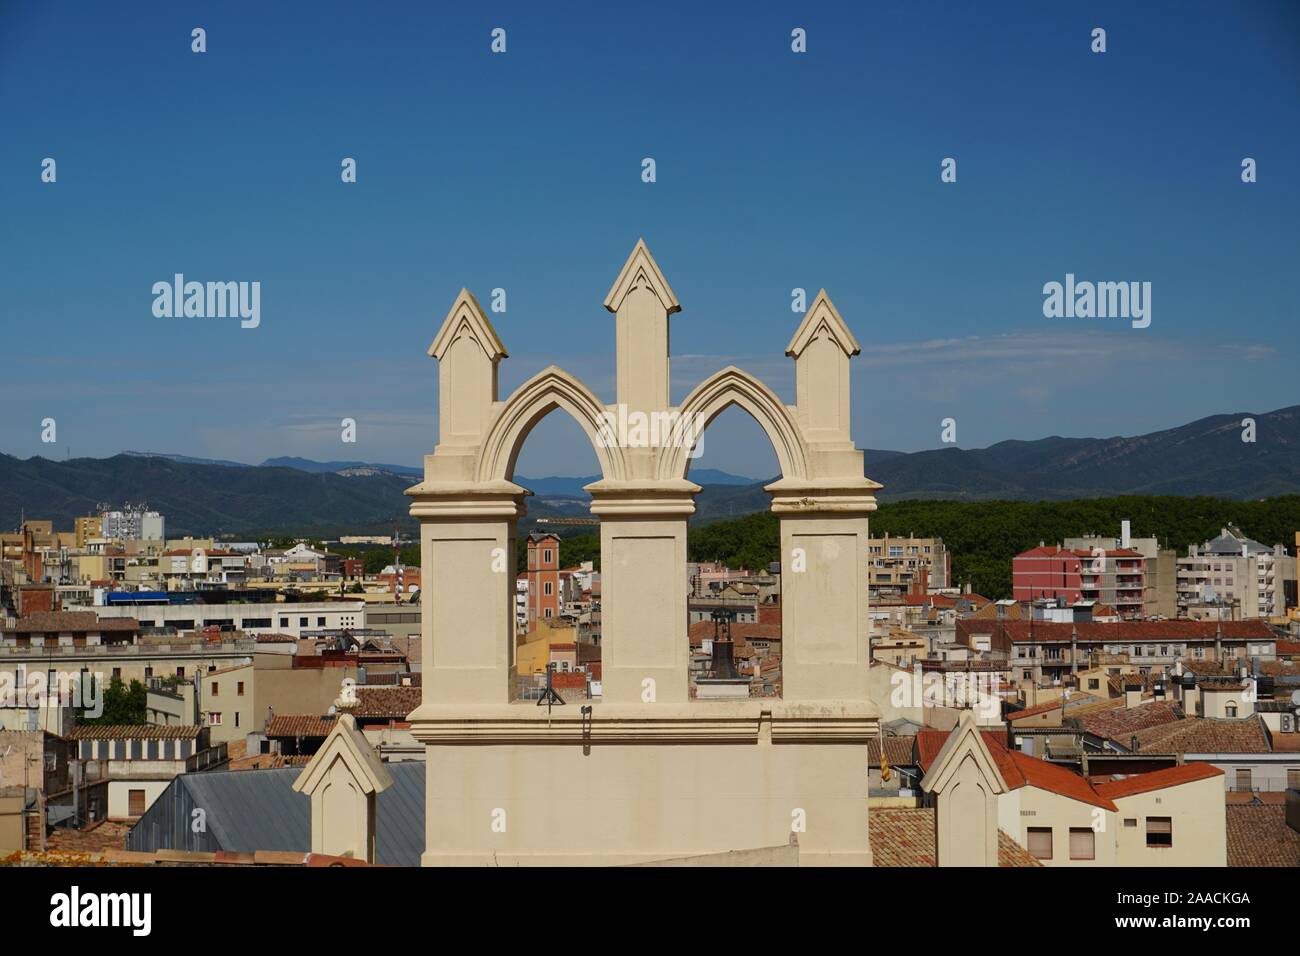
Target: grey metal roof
(249,810)
(1229,543)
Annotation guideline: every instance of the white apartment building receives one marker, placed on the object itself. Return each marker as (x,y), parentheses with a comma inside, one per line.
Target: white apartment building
(1237,572)
(293,619)
(132,523)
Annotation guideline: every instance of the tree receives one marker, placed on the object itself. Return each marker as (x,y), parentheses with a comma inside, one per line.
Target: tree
(122,704)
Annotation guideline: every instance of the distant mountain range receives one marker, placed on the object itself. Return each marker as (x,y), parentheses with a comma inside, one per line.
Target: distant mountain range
(206,496)
(1205,457)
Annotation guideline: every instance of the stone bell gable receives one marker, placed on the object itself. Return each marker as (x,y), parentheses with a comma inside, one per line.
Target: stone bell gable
(639,778)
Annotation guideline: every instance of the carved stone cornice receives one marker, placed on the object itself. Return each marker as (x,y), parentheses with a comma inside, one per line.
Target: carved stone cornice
(466,500)
(700,722)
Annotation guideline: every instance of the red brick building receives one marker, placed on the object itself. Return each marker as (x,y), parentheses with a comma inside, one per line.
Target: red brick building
(1116,577)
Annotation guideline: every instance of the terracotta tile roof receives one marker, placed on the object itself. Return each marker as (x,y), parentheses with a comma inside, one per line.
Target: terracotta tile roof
(900,751)
(1054,779)
(988,614)
(1277,797)
(1269,668)
(300,725)
(95,838)
(395,703)
(257,762)
(71,621)
(1120,723)
(1017,769)
(1258,835)
(275,639)
(1206,736)
(1285,743)
(133,732)
(1051,705)
(905,837)
(1157,780)
(930,741)
(1288,648)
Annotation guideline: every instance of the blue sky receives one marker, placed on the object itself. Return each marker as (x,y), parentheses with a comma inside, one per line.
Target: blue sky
(522,171)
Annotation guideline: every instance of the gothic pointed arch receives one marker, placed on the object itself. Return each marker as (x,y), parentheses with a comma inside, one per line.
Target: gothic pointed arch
(734,386)
(549,389)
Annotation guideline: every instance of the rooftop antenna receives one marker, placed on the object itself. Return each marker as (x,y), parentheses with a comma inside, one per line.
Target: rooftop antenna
(397,557)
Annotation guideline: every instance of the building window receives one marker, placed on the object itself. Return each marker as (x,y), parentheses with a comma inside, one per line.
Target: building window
(1083,843)
(135,803)
(546,588)
(1293,778)
(214,689)
(1244,781)
(180,672)
(284,622)
(320,622)
(1160,831)
(236,718)
(239,689)
(214,718)
(1094,683)
(546,556)
(1130,822)
(302,622)
(1231,709)
(1040,842)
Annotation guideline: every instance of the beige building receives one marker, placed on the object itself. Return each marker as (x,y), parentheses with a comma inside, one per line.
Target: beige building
(896,564)
(1169,817)
(226,701)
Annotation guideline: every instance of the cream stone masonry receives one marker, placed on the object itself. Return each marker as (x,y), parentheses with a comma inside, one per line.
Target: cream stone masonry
(343,779)
(965,782)
(648,774)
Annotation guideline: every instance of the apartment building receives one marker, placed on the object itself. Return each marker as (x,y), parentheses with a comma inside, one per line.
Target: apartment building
(1043,653)
(1110,576)
(184,613)
(1237,574)
(894,564)
(1159,597)
(132,523)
